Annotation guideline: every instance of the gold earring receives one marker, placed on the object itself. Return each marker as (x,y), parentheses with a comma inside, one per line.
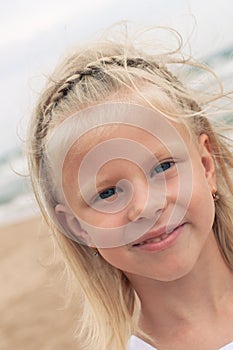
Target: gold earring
(96,253)
(215,195)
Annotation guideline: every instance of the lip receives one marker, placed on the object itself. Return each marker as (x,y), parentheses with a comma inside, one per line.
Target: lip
(160,245)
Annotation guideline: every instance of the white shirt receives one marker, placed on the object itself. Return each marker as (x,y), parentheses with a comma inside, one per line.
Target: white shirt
(136,343)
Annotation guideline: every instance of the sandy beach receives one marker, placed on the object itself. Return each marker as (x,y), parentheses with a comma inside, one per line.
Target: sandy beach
(32,310)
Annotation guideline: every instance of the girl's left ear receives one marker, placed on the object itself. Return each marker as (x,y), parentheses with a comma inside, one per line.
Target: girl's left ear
(207,159)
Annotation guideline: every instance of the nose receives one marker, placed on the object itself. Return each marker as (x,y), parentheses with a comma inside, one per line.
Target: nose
(148,202)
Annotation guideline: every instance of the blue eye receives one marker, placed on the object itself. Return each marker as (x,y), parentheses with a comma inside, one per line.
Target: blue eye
(162,167)
(108,193)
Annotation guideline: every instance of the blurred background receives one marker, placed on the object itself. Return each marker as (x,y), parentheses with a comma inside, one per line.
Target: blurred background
(33,36)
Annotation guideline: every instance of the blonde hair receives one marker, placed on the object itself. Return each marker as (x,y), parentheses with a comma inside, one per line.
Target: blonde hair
(89,76)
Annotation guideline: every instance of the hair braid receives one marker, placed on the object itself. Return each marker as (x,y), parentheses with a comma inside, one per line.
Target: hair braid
(96,70)
(66,85)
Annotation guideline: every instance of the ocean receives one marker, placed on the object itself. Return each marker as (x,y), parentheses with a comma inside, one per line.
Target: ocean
(16,198)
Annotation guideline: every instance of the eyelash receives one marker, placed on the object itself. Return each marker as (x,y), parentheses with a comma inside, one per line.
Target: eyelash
(111,191)
(161,165)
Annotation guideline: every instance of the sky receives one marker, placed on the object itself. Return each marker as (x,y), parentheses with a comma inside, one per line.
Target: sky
(34,35)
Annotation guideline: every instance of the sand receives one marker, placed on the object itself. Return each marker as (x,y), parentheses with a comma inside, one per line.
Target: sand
(32,293)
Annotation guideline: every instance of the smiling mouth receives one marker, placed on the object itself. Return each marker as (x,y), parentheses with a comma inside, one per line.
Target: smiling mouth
(156,239)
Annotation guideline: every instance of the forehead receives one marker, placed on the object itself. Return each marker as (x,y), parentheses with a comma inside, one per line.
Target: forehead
(121,121)
(122,136)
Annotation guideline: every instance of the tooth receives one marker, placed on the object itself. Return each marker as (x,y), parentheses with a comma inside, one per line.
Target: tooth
(157,239)
(170,231)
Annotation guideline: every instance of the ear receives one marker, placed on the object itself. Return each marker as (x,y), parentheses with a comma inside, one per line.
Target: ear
(71,225)
(207,159)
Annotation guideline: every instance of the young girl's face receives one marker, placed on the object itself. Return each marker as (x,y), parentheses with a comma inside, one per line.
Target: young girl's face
(149,197)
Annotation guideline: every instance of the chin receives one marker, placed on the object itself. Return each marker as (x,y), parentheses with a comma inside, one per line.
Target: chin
(175,273)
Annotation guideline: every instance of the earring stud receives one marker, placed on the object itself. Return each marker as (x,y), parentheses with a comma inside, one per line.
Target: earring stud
(215,195)
(96,253)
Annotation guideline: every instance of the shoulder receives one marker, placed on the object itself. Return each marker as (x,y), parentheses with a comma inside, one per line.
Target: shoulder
(226,347)
(136,343)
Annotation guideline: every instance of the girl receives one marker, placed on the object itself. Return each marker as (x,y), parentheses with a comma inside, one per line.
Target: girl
(136,186)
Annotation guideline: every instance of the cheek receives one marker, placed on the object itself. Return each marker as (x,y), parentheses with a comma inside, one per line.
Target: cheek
(101,219)
(106,220)
(202,205)
(191,194)
(116,257)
